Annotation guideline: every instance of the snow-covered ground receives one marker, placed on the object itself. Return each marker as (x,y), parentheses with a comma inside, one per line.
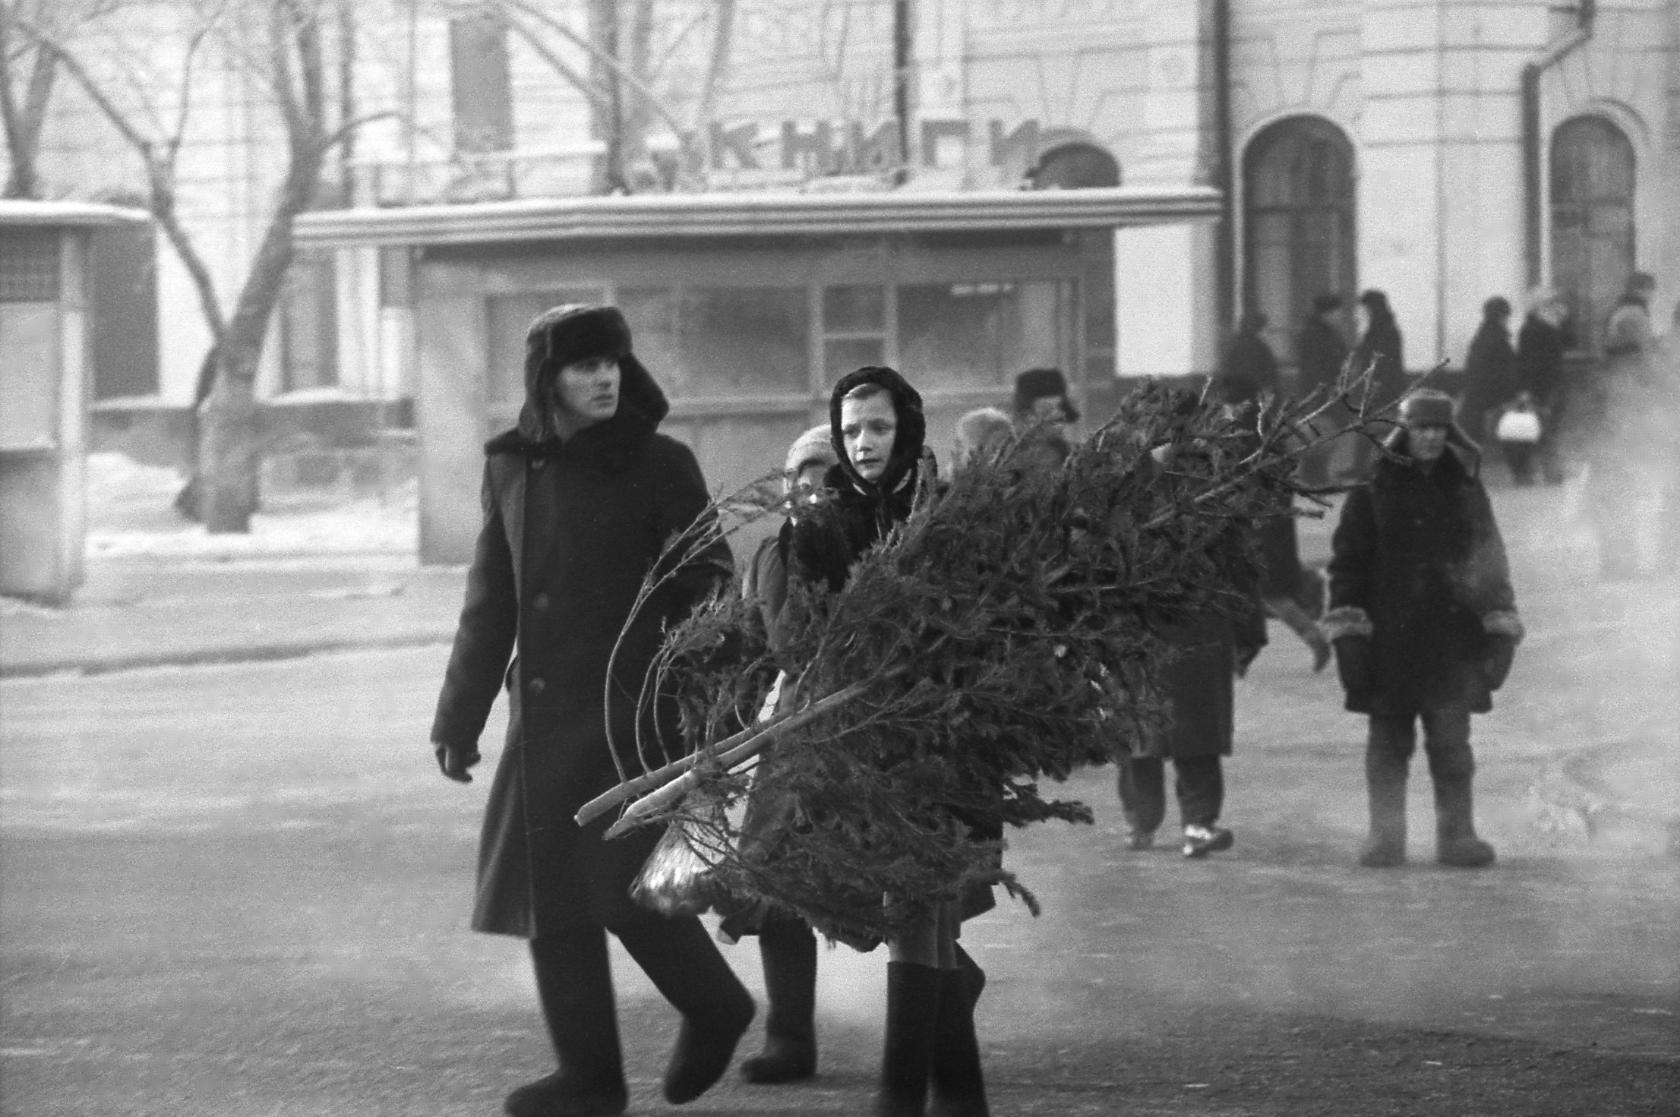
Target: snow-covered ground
(131,513)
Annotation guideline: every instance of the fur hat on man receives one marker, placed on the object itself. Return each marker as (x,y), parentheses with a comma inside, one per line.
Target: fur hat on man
(565,335)
(1427,407)
(1043,383)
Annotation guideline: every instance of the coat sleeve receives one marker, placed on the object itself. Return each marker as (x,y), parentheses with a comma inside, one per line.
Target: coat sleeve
(484,636)
(696,557)
(1353,552)
(1490,569)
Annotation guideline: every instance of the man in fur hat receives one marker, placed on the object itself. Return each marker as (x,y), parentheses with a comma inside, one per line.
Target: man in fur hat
(580,501)
(1041,396)
(1424,623)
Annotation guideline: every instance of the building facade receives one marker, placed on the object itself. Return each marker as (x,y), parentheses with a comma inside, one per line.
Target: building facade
(1441,150)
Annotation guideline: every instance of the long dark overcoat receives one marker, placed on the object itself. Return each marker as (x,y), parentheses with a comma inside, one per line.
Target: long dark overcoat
(570,528)
(1419,552)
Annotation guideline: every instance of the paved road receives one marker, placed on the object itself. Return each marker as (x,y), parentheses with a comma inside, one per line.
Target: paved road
(242,889)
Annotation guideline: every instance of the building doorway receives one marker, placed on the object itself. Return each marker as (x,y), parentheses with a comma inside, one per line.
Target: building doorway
(1298,224)
(1592,181)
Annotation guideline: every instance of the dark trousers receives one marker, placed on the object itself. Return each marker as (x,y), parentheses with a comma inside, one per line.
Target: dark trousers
(1519,456)
(1199,784)
(1446,742)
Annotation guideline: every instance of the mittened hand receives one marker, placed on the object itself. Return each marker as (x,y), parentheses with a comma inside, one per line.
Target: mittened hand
(1497,656)
(455,760)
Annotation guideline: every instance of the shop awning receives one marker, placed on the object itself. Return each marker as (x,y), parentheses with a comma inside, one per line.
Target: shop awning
(61,215)
(653,216)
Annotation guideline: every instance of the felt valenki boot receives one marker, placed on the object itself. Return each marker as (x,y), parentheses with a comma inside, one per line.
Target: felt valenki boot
(1385,784)
(683,964)
(788,949)
(1456,842)
(913,997)
(574,986)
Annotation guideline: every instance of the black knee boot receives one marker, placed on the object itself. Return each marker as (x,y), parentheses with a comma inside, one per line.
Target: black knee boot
(686,968)
(959,1088)
(1385,782)
(1456,842)
(788,949)
(913,995)
(574,985)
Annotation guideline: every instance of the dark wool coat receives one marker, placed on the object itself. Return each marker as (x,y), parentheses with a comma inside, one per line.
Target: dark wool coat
(1322,351)
(1199,684)
(570,528)
(1419,553)
(1540,347)
(1382,346)
(1490,374)
(1249,368)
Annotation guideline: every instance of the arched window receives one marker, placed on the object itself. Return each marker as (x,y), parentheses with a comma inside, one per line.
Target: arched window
(1075,166)
(1592,220)
(1298,226)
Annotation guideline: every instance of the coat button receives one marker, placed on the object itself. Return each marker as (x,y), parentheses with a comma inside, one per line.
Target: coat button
(536,686)
(538,463)
(541,602)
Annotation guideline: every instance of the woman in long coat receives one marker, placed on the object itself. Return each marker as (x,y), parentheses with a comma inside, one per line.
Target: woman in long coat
(879,431)
(580,500)
(1424,623)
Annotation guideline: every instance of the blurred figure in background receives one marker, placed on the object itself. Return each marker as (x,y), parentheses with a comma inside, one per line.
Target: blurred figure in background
(1540,346)
(1249,367)
(1490,371)
(1667,457)
(981,434)
(1041,396)
(1322,351)
(1424,623)
(1381,350)
(1617,464)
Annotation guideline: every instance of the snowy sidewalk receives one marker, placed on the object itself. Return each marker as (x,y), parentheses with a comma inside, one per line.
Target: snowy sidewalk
(318,572)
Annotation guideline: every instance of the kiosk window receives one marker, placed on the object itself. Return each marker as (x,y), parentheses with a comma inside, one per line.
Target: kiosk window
(28,266)
(979,334)
(707,342)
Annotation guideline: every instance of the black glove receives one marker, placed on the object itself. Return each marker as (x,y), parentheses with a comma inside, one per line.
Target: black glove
(454,760)
(1354,666)
(1497,653)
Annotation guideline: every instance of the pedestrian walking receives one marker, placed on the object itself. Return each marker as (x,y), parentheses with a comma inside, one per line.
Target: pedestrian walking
(879,432)
(1617,474)
(1198,684)
(1322,352)
(580,500)
(1490,371)
(1380,350)
(787,947)
(1249,367)
(1541,343)
(1424,623)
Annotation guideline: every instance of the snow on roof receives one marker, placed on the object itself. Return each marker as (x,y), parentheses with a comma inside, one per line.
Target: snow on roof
(757,214)
(65,214)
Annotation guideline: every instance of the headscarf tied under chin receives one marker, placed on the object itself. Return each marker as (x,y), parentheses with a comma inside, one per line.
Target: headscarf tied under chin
(908,440)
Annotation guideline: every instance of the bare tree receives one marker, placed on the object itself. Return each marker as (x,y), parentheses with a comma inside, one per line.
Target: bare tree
(623,78)
(282,45)
(27,75)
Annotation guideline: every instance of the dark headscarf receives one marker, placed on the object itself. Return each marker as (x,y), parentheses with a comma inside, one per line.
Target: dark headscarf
(908,442)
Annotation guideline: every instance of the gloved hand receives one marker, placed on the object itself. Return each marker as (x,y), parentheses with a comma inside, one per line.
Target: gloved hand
(454,760)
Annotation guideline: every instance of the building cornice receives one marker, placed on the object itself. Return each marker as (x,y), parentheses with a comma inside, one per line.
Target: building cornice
(15,212)
(655,216)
